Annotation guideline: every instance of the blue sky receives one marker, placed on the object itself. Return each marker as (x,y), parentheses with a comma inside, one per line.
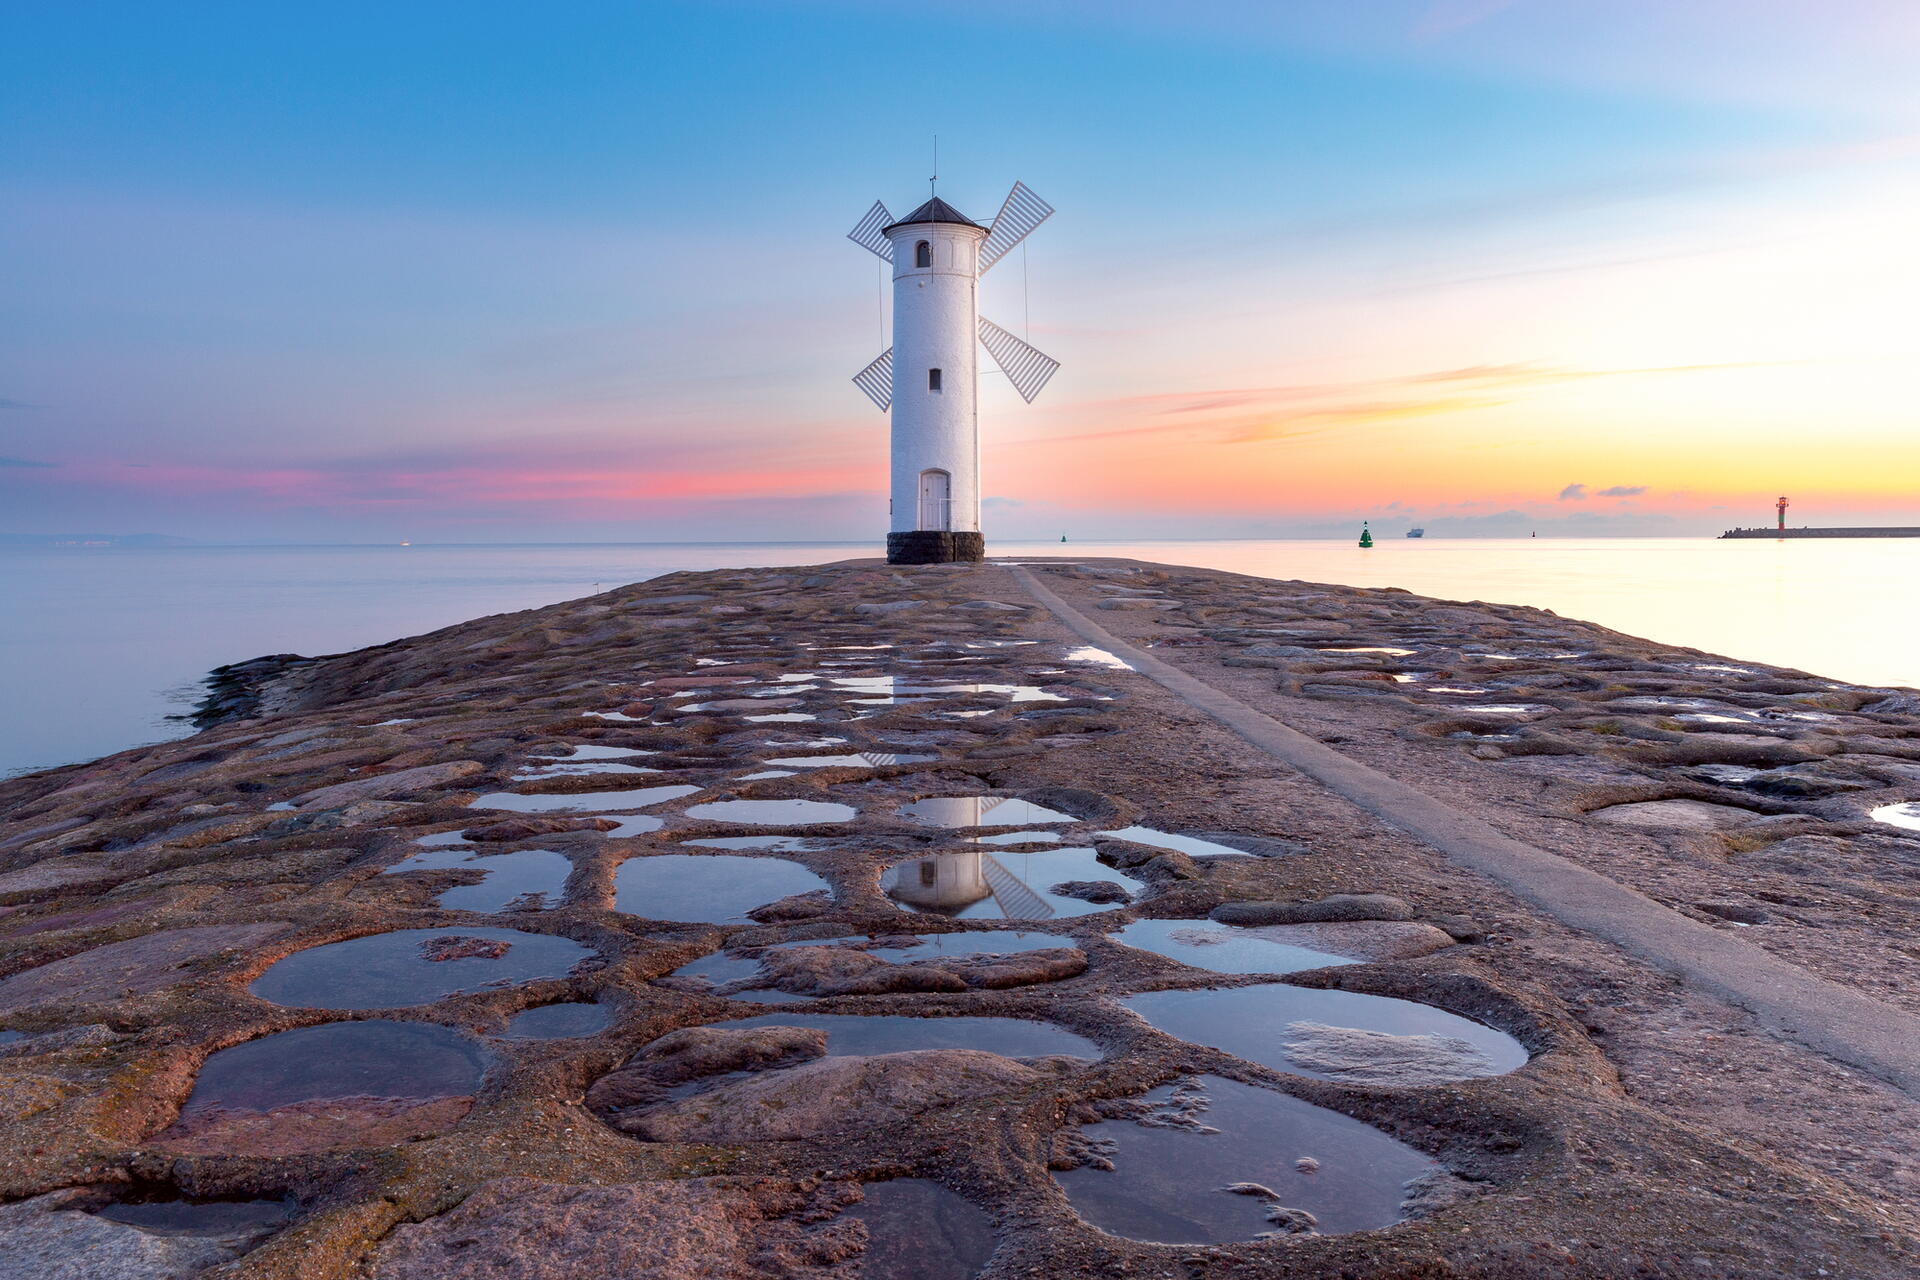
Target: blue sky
(353,272)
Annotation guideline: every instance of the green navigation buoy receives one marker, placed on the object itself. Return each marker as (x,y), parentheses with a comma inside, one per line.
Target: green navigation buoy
(1366,535)
(1063,537)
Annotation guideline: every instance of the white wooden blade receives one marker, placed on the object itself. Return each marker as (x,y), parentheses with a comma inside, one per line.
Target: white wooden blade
(866,232)
(1022,212)
(1027,369)
(877,380)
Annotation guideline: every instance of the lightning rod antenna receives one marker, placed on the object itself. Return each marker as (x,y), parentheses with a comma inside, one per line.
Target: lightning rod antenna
(933,183)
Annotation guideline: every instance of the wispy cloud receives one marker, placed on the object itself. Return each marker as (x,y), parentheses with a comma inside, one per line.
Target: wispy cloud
(1580,492)
(1247,415)
(25,462)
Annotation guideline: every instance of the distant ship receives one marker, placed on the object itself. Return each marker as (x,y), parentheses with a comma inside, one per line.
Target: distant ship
(1416,533)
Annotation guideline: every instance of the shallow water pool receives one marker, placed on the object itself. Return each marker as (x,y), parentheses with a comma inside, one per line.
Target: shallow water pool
(1168,1181)
(393,970)
(709,888)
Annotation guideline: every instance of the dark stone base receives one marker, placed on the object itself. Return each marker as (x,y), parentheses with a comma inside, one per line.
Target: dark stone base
(929,546)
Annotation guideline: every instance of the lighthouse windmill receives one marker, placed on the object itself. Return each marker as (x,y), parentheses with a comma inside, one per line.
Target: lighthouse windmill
(930,377)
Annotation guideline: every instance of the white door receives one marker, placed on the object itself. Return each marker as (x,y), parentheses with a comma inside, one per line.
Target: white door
(935,504)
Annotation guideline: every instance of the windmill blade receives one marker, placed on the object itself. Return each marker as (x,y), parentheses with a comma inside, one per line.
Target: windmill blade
(866,232)
(1027,369)
(1022,212)
(877,380)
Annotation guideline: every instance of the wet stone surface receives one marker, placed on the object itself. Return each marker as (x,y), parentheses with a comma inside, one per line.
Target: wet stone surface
(559,1022)
(342,1084)
(919,1230)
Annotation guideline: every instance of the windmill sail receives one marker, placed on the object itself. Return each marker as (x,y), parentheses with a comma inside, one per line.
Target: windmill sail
(866,233)
(1027,369)
(877,380)
(1018,216)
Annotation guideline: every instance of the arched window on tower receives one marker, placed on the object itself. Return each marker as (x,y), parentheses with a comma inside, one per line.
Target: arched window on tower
(923,254)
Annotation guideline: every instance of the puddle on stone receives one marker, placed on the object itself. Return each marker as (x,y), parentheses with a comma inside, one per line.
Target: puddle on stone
(375,1059)
(1006,886)
(581,801)
(725,967)
(1385,650)
(1444,688)
(596,751)
(919,1230)
(1222,948)
(165,1211)
(784,717)
(638,824)
(980,811)
(765,774)
(527,879)
(559,1022)
(857,760)
(1172,1168)
(442,840)
(1021,837)
(1334,1035)
(773,813)
(1899,815)
(577,769)
(392,970)
(1510,709)
(710,888)
(850,1035)
(1190,845)
(1731,775)
(891,688)
(1706,717)
(758,842)
(1099,658)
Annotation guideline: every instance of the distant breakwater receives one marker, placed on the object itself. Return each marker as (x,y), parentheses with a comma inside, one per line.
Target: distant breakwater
(1888,532)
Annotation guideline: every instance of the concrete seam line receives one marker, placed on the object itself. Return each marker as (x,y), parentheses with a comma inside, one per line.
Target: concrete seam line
(1837,1021)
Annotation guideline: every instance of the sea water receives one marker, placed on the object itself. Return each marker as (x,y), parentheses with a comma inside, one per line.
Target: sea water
(101,645)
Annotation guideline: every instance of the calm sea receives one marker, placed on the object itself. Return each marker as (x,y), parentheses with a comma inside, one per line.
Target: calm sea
(101,645)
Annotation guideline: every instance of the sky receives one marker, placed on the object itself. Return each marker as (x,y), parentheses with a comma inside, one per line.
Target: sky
(353,272)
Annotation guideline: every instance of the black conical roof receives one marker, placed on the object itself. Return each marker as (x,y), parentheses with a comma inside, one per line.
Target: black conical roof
(935,210)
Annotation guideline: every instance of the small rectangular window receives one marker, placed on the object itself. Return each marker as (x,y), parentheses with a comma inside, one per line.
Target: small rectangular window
(933,379)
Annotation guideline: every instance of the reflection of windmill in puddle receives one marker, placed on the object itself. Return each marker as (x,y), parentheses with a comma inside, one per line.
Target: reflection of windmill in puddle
(949,883)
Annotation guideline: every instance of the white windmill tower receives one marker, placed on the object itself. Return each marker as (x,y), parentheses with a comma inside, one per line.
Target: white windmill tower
(930,376)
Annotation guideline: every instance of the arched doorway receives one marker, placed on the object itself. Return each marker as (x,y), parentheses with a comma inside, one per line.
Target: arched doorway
(936,500)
